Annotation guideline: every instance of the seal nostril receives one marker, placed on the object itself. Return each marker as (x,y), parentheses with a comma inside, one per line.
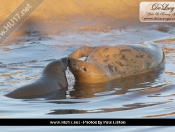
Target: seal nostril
(84,69)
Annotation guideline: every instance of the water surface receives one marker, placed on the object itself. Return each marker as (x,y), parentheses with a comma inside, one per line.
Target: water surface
(28,50)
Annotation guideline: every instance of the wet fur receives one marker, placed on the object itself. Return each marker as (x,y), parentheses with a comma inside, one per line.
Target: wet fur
(52,79)
(106,63)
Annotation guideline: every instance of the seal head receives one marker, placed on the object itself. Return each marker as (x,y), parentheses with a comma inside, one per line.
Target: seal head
(53,78)
(88,71)
(106,63)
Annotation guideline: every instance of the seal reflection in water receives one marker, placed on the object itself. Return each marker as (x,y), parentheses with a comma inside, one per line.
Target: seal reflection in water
(118,86)
(135,85)
(50,83)
(105,63)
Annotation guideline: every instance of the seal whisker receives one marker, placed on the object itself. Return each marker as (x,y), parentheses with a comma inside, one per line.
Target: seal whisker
(92,59)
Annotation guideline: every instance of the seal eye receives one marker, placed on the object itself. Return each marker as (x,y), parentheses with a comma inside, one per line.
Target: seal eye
(84,69)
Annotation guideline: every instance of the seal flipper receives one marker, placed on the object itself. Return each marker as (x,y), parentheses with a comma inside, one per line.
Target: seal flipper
(83,51)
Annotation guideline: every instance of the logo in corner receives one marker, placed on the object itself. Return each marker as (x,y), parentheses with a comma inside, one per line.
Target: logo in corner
(157,11)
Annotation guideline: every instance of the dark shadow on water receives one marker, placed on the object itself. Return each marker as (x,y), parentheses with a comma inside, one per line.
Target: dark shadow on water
(104,110)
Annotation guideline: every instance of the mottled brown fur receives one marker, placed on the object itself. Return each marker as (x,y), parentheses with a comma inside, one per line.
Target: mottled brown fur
(105,63)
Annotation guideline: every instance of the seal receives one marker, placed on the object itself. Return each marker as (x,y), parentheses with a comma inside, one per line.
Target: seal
(104,63)
(53,78)
(123,85)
